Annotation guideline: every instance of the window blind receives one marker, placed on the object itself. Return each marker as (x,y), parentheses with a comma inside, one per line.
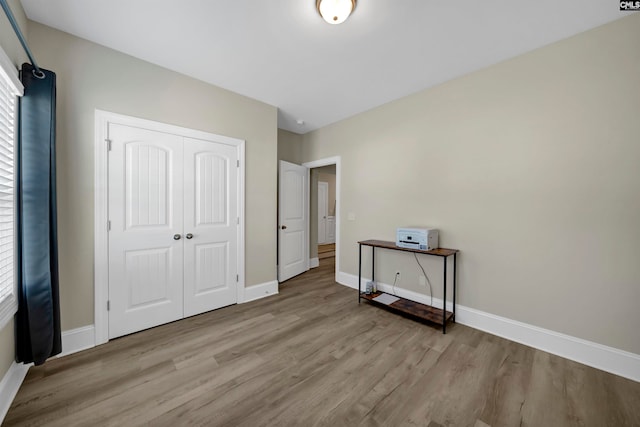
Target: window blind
(8,97)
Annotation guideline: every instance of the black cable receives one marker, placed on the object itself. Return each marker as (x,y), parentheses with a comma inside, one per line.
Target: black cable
(427,277)
(394,283)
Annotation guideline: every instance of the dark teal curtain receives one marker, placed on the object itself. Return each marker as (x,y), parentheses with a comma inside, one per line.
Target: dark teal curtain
(38,319)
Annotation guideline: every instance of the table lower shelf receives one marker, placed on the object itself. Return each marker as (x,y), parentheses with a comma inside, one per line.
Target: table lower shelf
(412,308)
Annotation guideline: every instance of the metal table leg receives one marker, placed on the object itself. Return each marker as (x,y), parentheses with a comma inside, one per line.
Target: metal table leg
(359,270)
(373,264)
(454,286)
(444,299)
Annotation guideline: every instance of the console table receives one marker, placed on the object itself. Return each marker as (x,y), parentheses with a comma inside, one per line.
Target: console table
(403,305)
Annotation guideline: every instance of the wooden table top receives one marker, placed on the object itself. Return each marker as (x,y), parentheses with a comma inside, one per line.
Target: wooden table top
(444,252)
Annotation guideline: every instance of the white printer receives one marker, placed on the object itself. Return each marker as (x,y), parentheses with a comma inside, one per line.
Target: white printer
(417,238)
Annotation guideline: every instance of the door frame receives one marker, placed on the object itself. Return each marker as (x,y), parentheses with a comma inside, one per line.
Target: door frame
(328,161)
(323,184)
(101,206)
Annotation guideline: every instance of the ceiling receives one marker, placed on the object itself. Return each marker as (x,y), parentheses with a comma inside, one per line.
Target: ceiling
(282,53)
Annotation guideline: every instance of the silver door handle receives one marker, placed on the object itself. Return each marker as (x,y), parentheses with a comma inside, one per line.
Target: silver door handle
(176,237)
(189,236)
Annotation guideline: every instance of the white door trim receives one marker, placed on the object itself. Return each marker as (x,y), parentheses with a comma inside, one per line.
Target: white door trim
(101,206)
(327,162)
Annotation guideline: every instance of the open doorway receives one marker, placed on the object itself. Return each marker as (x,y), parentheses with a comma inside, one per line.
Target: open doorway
(323,205)
(324,212)
(298,218)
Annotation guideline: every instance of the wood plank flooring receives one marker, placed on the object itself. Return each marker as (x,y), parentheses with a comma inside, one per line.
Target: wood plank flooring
(326,251)
(311,356)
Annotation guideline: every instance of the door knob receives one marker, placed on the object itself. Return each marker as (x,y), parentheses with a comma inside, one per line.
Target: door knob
(284,227)
(189,236)
(176,237)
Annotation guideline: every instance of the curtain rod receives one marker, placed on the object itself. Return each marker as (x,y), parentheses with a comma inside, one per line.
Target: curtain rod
(37,72)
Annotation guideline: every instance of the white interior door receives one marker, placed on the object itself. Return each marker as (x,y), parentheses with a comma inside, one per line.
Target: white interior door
(323,211)
(210,225)
(331,229)
(146,218)
(293,220)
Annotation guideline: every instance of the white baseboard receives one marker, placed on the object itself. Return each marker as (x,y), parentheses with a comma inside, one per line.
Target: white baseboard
(314,262)
(75,340)
(262,290)
(349,280)
(83,338)
(10,385)
(589,353)
(610,359)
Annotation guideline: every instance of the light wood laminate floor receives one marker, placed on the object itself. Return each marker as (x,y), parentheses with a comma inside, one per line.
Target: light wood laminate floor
(312,356)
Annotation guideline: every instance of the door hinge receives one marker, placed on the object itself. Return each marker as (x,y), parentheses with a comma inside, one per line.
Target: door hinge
(238,220)
(108,225)
(237,277)
(108,141)
(238,163)
(108,305)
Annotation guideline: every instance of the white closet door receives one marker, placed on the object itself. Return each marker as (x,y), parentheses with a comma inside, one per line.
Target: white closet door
(210,225)
(146,215)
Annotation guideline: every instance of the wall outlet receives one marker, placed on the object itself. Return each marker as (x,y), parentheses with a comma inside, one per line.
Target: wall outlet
(422,280)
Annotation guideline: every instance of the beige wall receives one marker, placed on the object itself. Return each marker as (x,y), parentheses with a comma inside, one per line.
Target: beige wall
(13,49)
(529,167)
(7,348)
(93,77)
(289,146)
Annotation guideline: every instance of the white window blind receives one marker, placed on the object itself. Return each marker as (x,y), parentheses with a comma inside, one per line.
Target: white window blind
(10,88)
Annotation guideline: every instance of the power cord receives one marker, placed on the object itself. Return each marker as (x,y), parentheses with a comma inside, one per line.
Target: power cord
(425,275)
(394,282)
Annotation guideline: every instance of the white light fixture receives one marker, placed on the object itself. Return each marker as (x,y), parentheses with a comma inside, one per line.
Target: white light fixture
(335,11)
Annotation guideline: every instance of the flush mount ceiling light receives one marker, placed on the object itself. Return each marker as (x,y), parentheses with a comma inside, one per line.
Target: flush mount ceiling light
(335,11)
